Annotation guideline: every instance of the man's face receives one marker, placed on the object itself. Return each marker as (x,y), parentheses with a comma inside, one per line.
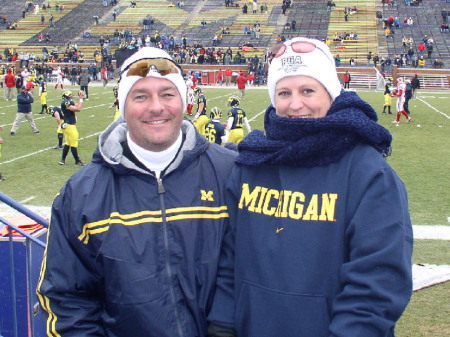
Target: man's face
(154,113)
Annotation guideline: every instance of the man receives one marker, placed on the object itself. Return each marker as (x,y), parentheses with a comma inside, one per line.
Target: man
(59,79)
(115,104)
(190,94)
(55,112)
(400,93)
(10,84)
(24,100)
(347,80)
(236,120)
(136,234)
(387,96)
(43,94)
(415,84)
(241,80)
(84,82)
(408,96)
(200,118)
(214,130)
(228,75)
(69,110)
(104,75)
(19,82)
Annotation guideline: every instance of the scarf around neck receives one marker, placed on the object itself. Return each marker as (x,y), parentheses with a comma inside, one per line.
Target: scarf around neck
(308,142)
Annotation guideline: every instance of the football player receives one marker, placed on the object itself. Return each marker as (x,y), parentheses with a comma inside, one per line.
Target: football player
(401,91)
(214,130)
(190,94)
(69,110)
(42,94)
(59,79)
(236,120)
(116,102)
(55,112)
(387,96)
(200,118)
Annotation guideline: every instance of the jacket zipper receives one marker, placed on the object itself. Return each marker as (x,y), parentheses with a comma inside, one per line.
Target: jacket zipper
(161,191)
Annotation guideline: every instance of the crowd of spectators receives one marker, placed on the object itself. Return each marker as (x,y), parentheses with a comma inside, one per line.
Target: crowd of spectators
(196,53)
(253,30)
(345,36)
(412,56)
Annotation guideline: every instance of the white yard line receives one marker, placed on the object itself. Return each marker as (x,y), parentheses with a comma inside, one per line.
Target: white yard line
(257,115)
(27,199)
(40,151)
(432,107)
(50,148)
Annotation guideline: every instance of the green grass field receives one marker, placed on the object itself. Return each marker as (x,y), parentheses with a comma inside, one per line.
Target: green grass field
(420,156)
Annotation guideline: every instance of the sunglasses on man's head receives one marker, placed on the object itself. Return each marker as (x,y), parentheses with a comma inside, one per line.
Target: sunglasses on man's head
(144,66)
(297,46)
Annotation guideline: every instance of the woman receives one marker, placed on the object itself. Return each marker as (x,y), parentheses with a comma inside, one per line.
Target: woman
(321,240)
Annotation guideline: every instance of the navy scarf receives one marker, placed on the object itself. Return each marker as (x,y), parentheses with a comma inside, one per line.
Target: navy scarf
(308,142)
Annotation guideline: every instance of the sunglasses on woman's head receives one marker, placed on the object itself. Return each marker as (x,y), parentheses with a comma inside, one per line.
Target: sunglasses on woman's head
(299,47)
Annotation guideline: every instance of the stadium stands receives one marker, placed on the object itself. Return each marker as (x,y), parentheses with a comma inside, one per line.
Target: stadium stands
(311,16)
(363,23)
(426,21)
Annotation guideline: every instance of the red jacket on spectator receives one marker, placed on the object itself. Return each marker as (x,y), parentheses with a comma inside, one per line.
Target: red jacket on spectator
(10,79)
(220,76)
(104,73)
(347,77)
(29,85)
(228,72)
(241,80)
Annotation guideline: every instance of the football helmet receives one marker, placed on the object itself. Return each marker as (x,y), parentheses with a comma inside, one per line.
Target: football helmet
(50,109)
(233,101)
(216,113)
(198,90)
(67,94)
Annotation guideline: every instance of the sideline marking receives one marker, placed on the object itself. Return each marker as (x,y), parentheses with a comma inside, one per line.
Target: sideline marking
(50,148)
(257,115)
(43,150)
(27,199)
(432,107)
(45,116)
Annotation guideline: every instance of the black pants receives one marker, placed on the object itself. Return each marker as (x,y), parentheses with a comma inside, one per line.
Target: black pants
(85,89)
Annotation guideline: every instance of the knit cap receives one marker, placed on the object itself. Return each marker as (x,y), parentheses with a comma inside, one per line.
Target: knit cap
(318,64)
(127,82)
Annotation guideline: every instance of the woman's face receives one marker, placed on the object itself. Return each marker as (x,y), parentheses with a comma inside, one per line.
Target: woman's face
(301,97)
